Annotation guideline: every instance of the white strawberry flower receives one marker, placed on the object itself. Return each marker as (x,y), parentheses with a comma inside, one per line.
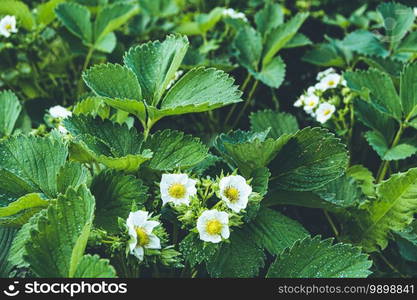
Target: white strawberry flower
(299,102)
(140,232)
(415,11)
(8,26)
(310,103)
(324,112)
(311,90)
(329,82)
(59,112)
(231,13)
(177,188)
(234,191)
(213,226)
(324,73)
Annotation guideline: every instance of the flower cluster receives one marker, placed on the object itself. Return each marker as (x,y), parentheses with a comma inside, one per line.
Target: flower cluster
(189,198)
(231,13)
(318,101)
(8,26)
(212,224)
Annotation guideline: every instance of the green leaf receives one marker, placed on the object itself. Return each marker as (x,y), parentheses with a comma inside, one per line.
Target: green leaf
(72,174)
(92,266)
(310,159)
(314,258)
(7,236)
(199,90)
(273,231)
(393,210)
(260,180)
(268,18)
(113,145)
(381,89)
(35,160)
(364,42)
(388,64)
(10,109)
(409,44)
(206,22)
(13,187)
(342,192)
(155,64)
(173,149)
(76,18)
(46,11)
(107,43)
(111,17)
(377,142)
(364,178)
(159,8)
(299,40)
(93,106)
(248,45)
(407,242)
(325,55)
(17,250)
(402,16)
(20,10)
(375,119)
(196,251)
(273,73)
(57,244)
(115,193)
(20,211)
(134,107)
(113,81)
(242,257)
(401,151)
(408,90)
(280,36)
(279,123)
(248,151)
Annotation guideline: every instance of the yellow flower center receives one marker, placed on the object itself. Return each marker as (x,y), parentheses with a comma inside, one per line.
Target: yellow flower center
(177,190)
(326,112)
(311,103)
(214,227)
(143,238)
(8,26)
(331,83)
(231,193)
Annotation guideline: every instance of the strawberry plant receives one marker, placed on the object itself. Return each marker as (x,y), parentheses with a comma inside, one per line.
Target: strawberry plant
(262,139)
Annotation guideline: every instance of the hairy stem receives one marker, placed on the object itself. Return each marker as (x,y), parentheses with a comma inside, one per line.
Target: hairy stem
(242,88)
(248,101)
(332,225)
(384,166)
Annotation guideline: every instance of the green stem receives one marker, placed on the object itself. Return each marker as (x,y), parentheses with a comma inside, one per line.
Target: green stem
(250,96)
(242,88)
(332,225)
(390,265)
(384,166)
(85,66)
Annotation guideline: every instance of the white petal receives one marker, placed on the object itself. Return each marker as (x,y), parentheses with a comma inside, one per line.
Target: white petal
(225,232)
(154,242)
(138,252)
(137,218)
(149,226)
(223,217)
(210,238)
